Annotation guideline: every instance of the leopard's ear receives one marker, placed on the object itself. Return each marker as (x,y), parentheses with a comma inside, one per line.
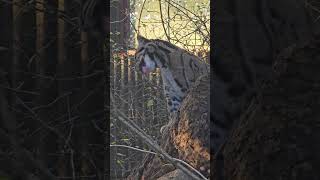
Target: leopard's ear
(142,40)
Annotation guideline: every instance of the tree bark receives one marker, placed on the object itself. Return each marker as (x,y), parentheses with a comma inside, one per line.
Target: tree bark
(277,139)
(257,31)
(188,139)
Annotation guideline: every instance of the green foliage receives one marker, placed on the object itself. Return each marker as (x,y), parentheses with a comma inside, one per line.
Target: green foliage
(120,162)
(150,103)
(4,177)
(125,139)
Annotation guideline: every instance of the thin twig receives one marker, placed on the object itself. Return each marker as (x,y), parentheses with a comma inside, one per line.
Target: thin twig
(162,22)
(125,120)
(150,152)
(140,16)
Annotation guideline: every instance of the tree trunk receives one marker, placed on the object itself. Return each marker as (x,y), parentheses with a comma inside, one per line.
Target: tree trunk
(277,139)
(267,143)
(188,139)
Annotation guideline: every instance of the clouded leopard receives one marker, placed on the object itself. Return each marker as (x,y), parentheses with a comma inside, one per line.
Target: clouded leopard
(179,69)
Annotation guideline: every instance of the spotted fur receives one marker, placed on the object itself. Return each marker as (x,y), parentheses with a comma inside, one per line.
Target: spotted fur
(179,68)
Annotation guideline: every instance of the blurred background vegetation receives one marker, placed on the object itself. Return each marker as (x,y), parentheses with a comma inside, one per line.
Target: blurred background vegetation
(52,81)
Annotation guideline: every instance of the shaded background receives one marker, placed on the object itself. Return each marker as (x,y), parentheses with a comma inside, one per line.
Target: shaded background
(52,90)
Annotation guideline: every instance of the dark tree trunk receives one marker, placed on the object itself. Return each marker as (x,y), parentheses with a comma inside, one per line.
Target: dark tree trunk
(91,107)
(261,144)
(277,138)
(6,42)
(51,93)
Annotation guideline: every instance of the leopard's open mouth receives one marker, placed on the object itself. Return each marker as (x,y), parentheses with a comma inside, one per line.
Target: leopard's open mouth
(146,68)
